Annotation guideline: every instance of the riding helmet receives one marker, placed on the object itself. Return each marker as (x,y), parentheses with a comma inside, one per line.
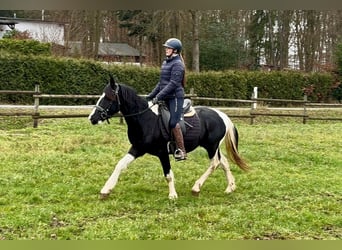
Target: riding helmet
(173,43)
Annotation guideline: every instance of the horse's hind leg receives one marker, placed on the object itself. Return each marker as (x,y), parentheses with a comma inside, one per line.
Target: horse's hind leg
(214,162)
(230,178)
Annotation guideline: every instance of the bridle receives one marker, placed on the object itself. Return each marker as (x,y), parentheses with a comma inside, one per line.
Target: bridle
(104,111)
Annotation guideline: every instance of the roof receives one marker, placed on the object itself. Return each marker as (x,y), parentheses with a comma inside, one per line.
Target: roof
(117,49)
(7,22)
(16,20)
(109,49)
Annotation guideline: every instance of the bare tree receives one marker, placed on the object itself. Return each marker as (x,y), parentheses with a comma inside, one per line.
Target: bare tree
(195,33)
(306,38)
(284,20)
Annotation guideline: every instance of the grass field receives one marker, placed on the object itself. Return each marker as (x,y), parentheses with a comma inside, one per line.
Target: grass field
(50,178)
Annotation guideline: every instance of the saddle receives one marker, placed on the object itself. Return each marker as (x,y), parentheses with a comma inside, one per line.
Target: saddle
(163,111)
(189,123)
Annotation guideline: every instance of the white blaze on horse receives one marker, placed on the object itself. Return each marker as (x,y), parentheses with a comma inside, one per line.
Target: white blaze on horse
(148,133)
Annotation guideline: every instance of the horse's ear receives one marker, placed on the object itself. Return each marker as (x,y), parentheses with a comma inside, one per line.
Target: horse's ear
(112,81)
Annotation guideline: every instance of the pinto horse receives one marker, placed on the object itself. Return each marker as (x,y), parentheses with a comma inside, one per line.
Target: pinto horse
(145,134)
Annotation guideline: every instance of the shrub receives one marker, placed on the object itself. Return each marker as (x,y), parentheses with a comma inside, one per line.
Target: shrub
(24,47)
(337,92)
(75,76)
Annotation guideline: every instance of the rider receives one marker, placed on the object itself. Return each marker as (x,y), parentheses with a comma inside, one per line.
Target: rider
(170,89)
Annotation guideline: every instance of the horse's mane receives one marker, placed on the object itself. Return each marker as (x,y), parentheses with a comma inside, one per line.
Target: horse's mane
(131,97)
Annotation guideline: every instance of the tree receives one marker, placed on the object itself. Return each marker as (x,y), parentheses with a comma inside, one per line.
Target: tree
(308,36)
(142,26)
(338,58)
(154,27)
(337,89)
(220,50)
(85,26)
(256,34)
(302,39)
(195,15)
(284,31)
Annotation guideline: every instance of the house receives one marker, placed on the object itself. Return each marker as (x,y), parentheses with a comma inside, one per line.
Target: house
(43,31)
(111,52)
(53,32)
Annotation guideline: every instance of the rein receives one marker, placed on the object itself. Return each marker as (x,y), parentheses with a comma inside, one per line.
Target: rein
(104,111)
(139,113)
(105,115)
(116,93)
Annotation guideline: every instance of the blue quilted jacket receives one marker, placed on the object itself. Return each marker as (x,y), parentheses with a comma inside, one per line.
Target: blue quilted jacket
(171,79)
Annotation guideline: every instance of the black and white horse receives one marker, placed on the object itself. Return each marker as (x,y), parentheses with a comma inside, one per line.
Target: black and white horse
(145,134)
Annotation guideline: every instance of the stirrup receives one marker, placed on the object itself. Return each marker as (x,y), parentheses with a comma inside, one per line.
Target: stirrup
(179,155)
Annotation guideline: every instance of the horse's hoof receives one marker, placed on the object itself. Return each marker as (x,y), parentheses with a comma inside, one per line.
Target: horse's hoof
(173,197)
(195,193)
(104,196)
(230,189)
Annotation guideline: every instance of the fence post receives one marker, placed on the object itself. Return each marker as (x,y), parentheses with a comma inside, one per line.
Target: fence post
(255,95)
(304,109)
(192,92)
(254,104)
(36,106)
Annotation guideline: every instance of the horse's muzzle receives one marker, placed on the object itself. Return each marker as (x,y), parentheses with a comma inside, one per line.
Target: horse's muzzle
(94,122)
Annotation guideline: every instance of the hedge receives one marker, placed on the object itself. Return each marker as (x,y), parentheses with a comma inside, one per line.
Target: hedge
(291,85)
(75,76)
(275,84)
(24,47)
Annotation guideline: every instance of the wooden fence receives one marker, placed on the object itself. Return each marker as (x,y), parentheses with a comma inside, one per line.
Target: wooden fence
(255,112)
(254,102)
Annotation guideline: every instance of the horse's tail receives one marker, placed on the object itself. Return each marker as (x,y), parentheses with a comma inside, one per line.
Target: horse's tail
(231,141)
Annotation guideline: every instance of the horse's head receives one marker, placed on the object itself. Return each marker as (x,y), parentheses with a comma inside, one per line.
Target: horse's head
(107,105)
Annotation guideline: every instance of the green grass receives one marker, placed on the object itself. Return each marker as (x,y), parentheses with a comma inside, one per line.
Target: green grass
(51,177)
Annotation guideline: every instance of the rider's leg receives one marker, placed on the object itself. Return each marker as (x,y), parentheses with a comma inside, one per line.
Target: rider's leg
(176,109)
(180,153)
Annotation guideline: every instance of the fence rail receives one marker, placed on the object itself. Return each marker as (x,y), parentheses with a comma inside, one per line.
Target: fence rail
(18,92)
(66,96)
(253,102)
(221,99)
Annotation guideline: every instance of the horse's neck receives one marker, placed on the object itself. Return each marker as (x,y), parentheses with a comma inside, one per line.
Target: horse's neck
(130,103)
(139,126)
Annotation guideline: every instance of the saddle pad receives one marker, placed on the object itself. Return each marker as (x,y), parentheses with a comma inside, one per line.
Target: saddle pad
(191,112)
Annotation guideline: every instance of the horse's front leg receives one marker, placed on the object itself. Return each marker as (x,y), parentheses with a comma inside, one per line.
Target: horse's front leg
(171,182)
(169,176)
(113,179)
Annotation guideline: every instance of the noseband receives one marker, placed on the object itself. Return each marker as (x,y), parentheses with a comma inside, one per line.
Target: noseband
(113,95)
(103,112)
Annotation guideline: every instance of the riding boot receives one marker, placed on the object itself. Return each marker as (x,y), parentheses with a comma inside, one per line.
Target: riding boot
(180,153)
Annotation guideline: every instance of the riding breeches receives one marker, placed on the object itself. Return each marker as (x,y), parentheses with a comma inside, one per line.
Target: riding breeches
(175,106)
